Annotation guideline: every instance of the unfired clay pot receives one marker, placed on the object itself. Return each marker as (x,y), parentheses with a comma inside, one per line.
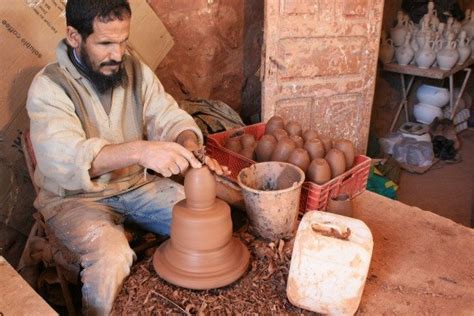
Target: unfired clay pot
(336,161)
(309,134)
(299,142)
(300,158)
(347,147)
(283,150)
(201,253)
(279,133)
(265,147)
(327,142)
(248,152)
(293,128)
(273,123)
(233,144)
(315,148)
(319,171)
(341,204)
(247,140)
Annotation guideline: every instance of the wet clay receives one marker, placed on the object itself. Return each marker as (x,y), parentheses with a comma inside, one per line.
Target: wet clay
(201,253)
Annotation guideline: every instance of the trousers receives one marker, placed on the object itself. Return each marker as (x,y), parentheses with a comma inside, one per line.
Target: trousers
(94,231)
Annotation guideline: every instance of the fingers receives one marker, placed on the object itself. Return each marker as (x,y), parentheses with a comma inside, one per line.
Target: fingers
(189,156)
(216,167)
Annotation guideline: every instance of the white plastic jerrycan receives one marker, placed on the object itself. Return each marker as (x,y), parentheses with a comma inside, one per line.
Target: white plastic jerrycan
(329,264)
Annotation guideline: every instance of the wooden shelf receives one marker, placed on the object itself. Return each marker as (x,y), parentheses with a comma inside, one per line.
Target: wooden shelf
(433,72)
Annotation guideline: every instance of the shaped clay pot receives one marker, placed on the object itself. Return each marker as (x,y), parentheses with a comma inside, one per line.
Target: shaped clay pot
(283,150)
(201,253)
(298,140)
(309,134)
(248,153)
(327,142)
(341,204)
(336,161)
(233,144)
(247,140)
(300,158)
(273,123)
(279,133)
(315,148)
(319,171)
(265,148)
(293,128)
(347,147)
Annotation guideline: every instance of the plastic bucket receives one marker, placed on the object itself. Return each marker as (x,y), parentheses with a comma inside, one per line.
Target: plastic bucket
(271,192)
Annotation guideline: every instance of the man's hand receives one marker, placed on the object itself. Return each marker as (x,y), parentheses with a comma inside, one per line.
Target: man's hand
(167,158)
(189,140)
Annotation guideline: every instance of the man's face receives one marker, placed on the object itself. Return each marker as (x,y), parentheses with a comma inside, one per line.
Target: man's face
(105,47)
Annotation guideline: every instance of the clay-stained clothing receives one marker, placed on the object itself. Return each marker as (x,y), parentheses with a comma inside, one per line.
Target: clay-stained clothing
(68,135)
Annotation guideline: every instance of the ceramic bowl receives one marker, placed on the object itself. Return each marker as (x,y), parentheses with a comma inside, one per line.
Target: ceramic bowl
(426,113)
(433,95)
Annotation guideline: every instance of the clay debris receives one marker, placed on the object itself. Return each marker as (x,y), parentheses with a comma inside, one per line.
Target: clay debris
(262,289)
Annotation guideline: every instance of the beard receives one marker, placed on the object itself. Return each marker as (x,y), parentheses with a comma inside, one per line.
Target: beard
(103,82)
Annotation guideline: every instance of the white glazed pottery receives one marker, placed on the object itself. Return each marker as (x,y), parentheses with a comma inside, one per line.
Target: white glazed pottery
(448,57)
(433,95)
(425,113)
(404,54)
(399,32)
(426,56)
(464,49)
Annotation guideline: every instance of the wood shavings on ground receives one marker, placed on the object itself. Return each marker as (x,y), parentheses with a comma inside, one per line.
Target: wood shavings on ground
(262,289)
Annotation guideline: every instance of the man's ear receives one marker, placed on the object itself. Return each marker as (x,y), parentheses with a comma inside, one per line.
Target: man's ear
(73,37)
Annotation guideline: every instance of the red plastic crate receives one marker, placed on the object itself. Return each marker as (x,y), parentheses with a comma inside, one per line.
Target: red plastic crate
(313,196)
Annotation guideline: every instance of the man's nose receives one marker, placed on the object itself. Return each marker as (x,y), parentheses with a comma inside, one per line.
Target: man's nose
(118,51)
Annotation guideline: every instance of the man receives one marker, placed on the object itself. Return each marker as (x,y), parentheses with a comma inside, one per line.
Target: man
(99,119)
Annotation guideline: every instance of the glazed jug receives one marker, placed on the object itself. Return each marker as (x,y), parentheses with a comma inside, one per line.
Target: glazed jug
(404,54)
(448,56)
(426,56)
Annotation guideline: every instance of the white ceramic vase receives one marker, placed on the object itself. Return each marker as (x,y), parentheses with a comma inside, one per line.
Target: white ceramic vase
(404,54)
(426,113)
(399,32)
(448,56)
(464,48)
(432,95)
(426,56)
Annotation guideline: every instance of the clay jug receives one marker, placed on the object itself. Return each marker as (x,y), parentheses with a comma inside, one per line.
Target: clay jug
(404,54)
(431,18)
(233,143)
(300,158)
(464,48)
(426,56)
(319,171)
(273,123)
(293,128)
(247,140)
(279,133)
(327,142)
(315,148)
(399,32)
(336,161)
(299,142)
(387,51)
(308,134)
(283,150)
(448,56)
(347,147)
(265,147)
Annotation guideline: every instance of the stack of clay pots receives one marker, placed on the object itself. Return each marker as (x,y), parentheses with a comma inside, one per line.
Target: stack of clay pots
(429,43)
(321,158)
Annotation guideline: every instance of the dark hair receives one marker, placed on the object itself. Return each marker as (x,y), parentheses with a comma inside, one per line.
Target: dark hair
(80,14)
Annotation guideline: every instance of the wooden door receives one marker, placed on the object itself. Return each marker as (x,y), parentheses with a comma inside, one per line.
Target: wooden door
(320,59)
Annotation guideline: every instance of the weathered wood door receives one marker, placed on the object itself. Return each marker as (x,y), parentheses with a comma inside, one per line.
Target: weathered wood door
(320,59)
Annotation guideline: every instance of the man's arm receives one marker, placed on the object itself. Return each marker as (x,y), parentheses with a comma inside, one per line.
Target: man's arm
(166,158)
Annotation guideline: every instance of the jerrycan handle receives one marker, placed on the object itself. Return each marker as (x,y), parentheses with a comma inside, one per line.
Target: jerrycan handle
(330,229)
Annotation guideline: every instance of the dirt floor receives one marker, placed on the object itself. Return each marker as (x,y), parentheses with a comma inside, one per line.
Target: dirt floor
(446,189)
(421,265)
